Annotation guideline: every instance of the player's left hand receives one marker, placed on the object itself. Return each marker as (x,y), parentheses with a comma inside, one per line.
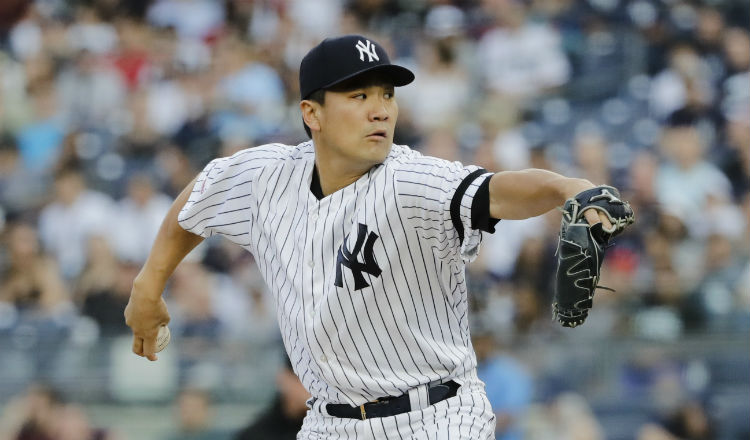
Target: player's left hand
(581,248)
(603,204)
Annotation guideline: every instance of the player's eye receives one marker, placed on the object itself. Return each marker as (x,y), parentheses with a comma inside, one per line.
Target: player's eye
(390,94)
(360,96)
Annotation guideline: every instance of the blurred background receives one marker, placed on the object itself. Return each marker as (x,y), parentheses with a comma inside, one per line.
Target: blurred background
(108,108)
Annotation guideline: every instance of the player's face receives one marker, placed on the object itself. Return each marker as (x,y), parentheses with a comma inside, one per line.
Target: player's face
(357,123)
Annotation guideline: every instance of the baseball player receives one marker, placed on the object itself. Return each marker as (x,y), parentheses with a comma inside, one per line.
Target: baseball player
(363,244)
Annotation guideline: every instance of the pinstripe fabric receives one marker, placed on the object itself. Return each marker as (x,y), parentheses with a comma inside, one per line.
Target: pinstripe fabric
(396,315)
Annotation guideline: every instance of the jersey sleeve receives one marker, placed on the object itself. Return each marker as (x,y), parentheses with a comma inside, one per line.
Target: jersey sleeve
(446,201)
(222,198)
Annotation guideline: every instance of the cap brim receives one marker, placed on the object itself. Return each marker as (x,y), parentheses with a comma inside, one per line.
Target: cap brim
(400,76)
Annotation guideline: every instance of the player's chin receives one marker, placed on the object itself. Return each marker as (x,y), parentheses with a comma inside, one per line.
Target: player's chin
(378,145)
(377,155)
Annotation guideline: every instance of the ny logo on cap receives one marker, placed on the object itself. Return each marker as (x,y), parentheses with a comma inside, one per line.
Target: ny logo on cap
(368,49)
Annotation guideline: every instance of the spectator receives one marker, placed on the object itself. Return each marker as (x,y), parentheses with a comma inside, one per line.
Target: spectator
(90,76)
(74,424)
(210,305)
(168,105)
(686,177)
(194,315)
(20,191)
(41,140)
(42,414)
(194,414)
(90,33)
(282,420)
(31,281)
(567,417)
(518,57)
(442,93)
(736,85)
(192,19)
(103,288)
(31,416)
(508,383)
(505,246)
(686,74)
(591,154)
(714,296)
(735,158)
(138,218)
(710,28)
(66,224)
(41,310)
(249,92)
(688,422)
(132,57)
(25,39)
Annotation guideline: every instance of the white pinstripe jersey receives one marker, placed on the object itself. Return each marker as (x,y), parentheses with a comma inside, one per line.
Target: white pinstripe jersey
(369,281)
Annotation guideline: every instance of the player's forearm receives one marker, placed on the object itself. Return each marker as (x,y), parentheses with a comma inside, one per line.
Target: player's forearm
(528,193)
(170,247)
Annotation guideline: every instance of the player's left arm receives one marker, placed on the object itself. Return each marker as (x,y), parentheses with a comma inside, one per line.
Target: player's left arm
(516,195)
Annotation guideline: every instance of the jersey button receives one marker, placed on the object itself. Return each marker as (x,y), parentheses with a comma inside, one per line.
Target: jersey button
(314,217)
(323,358)
(311,263)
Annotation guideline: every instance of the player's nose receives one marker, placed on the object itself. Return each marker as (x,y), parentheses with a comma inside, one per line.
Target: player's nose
(380,110)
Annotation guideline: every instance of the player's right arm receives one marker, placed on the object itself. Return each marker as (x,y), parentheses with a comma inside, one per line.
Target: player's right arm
(146,310)
(217,202)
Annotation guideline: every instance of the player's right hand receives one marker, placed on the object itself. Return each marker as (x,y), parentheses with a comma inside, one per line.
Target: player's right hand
(144,314)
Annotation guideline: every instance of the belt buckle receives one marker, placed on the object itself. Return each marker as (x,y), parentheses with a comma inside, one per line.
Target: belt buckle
(362,407)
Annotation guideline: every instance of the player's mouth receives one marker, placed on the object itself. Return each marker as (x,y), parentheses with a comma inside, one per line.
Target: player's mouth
(378,134)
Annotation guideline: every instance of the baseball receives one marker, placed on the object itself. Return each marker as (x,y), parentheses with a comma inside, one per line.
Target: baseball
(162,339)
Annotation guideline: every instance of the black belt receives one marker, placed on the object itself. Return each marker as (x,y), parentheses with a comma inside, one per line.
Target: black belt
(390,406)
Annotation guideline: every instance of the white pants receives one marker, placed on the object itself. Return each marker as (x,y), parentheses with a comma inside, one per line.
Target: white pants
(466,416)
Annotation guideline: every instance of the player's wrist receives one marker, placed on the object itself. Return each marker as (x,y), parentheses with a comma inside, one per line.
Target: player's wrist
(573,186)
(148,286)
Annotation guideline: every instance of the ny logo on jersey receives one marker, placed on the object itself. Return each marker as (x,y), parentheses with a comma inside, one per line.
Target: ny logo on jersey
(368,49)
(349,259)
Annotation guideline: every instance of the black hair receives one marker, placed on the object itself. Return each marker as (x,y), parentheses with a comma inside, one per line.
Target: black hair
(683,117)
(318,96)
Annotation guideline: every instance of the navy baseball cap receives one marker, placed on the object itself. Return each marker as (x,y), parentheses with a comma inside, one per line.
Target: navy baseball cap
(337,59)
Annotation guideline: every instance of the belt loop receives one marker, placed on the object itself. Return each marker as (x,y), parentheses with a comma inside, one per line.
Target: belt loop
(419,397)
(424,395)
(414,399)
(321,407)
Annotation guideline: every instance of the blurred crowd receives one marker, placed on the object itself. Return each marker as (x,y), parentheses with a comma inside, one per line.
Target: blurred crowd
(108,108)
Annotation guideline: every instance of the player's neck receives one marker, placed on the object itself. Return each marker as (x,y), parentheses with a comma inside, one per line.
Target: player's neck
(334,176)
(336,172)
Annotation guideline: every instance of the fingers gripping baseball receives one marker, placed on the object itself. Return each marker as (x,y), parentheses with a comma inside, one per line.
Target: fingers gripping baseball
(145,315)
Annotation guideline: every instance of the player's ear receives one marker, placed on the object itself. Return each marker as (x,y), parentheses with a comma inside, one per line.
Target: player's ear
(310,113)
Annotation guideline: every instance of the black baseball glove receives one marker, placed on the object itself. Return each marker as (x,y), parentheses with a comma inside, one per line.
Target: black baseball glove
(580,251)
